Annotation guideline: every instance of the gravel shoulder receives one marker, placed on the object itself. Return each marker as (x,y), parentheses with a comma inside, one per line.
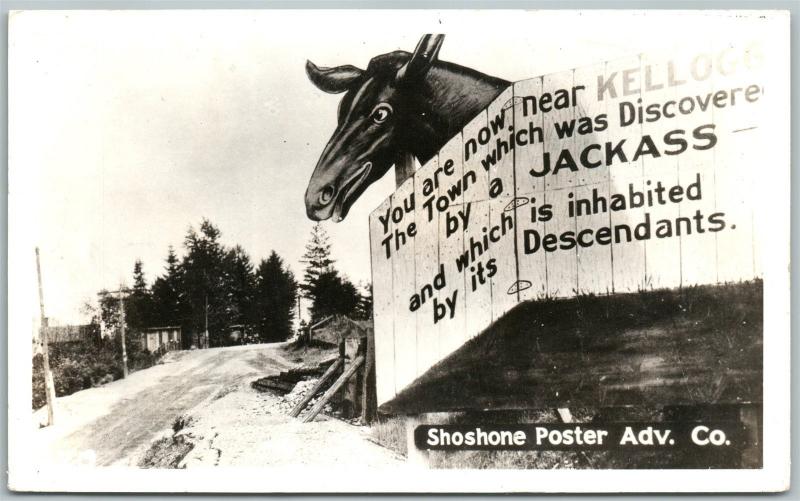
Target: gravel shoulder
(197,410)
(248,428)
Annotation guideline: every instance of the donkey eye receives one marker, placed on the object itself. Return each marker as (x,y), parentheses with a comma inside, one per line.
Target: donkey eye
(381,113)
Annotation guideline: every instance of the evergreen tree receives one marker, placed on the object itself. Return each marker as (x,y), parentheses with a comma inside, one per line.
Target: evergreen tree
(203,283)
(239,287)
(139,304)
(317,258)
(139,282)
(333,295)
(167,307)
(276,299)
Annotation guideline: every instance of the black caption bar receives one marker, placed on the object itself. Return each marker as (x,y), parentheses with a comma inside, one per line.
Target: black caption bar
(583,436)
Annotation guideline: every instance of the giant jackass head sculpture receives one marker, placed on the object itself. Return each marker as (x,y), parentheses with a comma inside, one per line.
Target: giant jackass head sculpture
(402,103)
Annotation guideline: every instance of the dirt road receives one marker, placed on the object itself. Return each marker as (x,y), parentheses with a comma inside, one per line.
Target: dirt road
(115,424)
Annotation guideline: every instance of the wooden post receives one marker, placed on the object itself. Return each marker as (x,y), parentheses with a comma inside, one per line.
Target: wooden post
(369,402)
(205,333)
(122,332)
(299,317)
(404,167)
(49,386)
(346,375)
(324,379)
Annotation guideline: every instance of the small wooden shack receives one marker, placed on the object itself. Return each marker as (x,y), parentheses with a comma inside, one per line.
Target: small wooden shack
(165,338)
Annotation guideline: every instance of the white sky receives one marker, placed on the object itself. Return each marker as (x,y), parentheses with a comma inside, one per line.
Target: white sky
(127,127)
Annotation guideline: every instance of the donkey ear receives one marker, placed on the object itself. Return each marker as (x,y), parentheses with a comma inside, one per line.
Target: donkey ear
(425,54)
(333,80)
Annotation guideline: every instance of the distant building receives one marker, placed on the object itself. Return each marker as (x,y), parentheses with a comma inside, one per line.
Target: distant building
(154,338)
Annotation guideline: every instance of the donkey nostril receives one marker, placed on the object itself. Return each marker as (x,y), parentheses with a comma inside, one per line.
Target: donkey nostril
(327,195)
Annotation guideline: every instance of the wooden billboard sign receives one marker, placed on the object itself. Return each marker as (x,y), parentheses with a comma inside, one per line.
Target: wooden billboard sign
(626,176)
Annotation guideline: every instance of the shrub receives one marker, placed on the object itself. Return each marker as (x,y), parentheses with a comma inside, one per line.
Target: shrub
(85,364)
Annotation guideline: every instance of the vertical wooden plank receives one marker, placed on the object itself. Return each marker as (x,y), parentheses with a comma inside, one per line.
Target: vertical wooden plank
(404,286)
(502,261)
(629,259)
(757,227)
(503,228)
(562,271)
(500,115)
(531,260)
(594,239)
(478,293)
(474,155)
(558,121)
(740,126)
(734,203)
(426,259)
(663,266)
(529,126)
(451,173)
(529,189)
(452,325)
(595,271)
(698,245)
(562,265)
(590,113)
(383,310)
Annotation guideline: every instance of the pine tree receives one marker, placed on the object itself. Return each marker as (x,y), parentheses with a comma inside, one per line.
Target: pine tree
(276,299)
(239,287)
(203,283)
(139,282)
(317,258)
(139,305)
(168,309)
(333,295)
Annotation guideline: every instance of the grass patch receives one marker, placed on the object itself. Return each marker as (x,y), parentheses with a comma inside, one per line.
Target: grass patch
(390,433)
(698,345)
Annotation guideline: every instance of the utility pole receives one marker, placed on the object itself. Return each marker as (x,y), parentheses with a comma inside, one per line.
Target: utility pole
(205,333)
(49,387)
(122,332)
(299,317)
